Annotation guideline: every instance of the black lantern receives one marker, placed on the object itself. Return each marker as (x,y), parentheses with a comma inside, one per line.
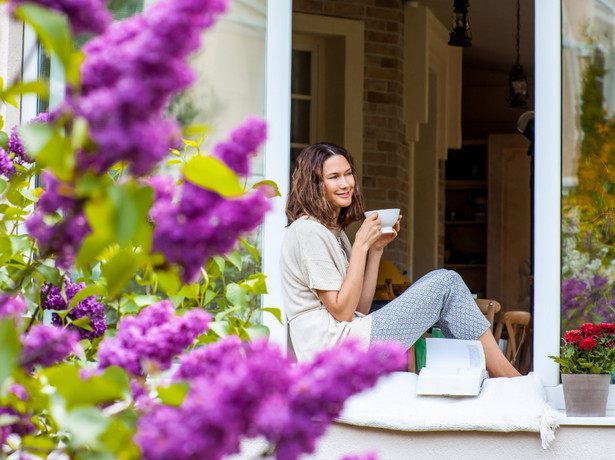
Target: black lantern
(461,34)
(517,81)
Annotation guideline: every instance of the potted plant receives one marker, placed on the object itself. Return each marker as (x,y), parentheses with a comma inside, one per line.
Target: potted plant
(586,358)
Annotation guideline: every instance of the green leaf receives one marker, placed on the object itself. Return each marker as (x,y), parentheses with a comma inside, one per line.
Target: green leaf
(235,258)
(255,284)
(221,328)
(220,263)
(213,174)
(169,281)
(143,300)
(258,331)
(53,31)
(50,149)
(119,270)
(209,296)
(196,130)
(131,205)
(173,395)
(9,348)
(19,88)
(270,187)
(275,312)
(41,445)
(190,291)
(83,322)
(111,386)
(220,316)
(88,291)
(4,140)
(236,295)
(86,424)
(255,253)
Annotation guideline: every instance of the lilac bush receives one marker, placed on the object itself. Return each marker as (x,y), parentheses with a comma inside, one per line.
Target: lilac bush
(94,382)
(250,389)
(150,340)
(128,77)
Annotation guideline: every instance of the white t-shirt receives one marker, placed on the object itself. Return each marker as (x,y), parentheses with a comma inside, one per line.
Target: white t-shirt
(312,259)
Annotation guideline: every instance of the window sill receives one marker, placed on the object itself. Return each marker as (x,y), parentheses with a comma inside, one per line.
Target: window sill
(555,398)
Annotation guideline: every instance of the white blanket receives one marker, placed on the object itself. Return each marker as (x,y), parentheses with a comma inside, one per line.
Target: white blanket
(515,404)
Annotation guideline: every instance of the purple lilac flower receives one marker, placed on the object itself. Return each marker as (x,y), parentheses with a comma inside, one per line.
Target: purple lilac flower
(57,196)
(250,389)
(52,300)
(19,391)
(64,237)
(204,224)
(16,153)
(22,425)
(151,339)
(130,74)
(12,306)
(6,165)
(164,192)
(46,345)
(244,142)
(83,15)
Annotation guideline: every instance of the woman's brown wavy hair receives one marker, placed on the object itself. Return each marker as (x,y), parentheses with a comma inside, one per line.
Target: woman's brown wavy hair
(307,190)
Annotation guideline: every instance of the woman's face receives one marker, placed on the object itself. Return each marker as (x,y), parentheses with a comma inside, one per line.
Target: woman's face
(339,181)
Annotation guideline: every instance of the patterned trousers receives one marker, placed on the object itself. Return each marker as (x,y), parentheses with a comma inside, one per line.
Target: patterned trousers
(439,297)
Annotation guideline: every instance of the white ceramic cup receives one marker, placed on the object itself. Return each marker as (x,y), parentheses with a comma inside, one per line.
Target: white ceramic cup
(387,217)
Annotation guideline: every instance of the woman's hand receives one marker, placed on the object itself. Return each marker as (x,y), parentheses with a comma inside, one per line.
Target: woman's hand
(369,232)
(386,238)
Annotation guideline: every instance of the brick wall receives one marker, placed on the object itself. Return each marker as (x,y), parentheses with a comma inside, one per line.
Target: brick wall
(385,151)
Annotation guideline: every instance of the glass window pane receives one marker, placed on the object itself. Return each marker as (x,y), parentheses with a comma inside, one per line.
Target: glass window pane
(301,72)
(588,163)
(300,121)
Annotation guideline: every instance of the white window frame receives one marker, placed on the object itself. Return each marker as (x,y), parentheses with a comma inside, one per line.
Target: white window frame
(277,148)
(547,186)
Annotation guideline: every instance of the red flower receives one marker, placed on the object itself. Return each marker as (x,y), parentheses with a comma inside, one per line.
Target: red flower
(572,336)
(609,343)
(608,327)
(587,343)
(591,330)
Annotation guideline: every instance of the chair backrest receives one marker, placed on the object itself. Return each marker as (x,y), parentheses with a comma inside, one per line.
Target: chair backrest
(489,308)
(517,327)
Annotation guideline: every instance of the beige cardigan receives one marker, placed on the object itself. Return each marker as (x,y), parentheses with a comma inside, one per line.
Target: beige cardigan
(313,259)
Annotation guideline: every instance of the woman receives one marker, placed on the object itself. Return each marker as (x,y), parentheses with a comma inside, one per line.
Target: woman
(329,285)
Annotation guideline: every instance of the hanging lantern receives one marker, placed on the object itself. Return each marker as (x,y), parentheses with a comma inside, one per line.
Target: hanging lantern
(461,34)
(517,81)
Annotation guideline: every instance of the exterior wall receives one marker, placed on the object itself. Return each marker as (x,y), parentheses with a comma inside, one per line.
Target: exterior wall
(386,168)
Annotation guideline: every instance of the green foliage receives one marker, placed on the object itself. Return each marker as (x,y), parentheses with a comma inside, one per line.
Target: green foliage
(95,417)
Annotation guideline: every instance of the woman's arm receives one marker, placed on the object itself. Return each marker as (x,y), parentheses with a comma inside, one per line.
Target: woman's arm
(357,290)
(343,303)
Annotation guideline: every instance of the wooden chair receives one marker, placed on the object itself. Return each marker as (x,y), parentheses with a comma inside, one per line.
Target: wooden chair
(517,326)
(489,308)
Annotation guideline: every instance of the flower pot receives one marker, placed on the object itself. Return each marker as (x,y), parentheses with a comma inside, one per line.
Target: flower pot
(585,395)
